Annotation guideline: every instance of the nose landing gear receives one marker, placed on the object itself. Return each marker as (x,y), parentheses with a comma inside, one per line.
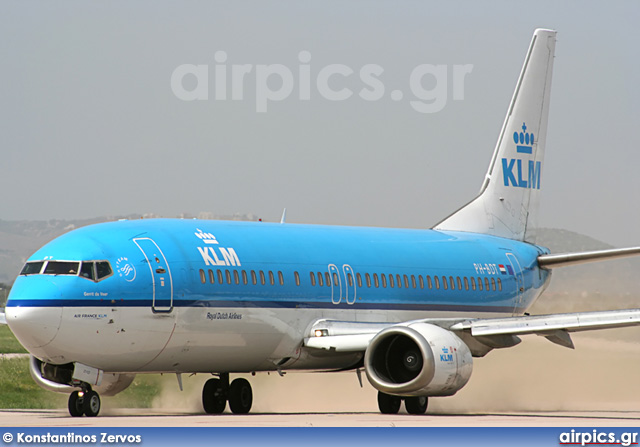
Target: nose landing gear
(85,402)
(217,392)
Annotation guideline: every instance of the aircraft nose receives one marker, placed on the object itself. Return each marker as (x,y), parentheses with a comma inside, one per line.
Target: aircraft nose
(33,323)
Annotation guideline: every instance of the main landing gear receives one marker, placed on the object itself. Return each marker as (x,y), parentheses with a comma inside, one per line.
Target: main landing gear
(389,404)
(85,402)
(217,392)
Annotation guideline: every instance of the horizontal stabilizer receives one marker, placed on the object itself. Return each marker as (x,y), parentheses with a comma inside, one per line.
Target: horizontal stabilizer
(566,259)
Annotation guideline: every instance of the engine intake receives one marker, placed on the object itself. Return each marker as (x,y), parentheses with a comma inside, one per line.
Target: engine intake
(418,359)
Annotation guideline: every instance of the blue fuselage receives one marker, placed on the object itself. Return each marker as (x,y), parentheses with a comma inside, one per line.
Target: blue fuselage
(254,279)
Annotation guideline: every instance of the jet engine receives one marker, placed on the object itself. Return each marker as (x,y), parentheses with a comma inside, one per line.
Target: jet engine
(418,359)
(59,378)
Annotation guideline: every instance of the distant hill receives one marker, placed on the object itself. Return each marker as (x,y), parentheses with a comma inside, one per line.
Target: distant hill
(597,286)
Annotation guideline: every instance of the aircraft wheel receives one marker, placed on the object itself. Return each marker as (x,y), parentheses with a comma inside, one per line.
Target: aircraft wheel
(388,404)
(213,398)
(75,404)
(91,404)
(240,396)
(416,405)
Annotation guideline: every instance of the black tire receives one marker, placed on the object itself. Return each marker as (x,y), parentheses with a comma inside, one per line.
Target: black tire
(416,405)
(214,400)
(75,404)
(388,404)
(240,396)
(91,404)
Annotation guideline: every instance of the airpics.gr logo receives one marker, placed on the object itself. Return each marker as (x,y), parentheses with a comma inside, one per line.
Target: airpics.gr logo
(516,171)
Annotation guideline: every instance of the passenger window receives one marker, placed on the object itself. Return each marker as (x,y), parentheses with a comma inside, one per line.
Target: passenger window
(336,280)
(479,283)
(312,276)
(203,279)
(297,278)
(429,281)
(466,283)
(453,284)
(473,283)
(245,280)
(459,283)
(486,284)
(220,278)
(445,286)
(320,280)
(399,280)
(86,270)
(367,278)
(327,279)
(499,285)
(391,284)
(375,280)
(350,279)
(103,269)
(33,268)
(384,280)
(254,277)
(227,273)
(211,276)
(493,284)
(262,279)
(359,279)
(272,279)
(413,281)
(421,281)
(280,278)
(236,277)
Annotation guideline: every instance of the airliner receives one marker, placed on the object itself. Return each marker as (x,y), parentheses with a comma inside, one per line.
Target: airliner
(409,307)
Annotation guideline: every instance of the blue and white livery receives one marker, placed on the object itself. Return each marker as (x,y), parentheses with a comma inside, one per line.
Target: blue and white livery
(412,308)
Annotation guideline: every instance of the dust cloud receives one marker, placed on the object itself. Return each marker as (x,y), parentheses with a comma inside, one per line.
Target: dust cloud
(600,374)
(537,375)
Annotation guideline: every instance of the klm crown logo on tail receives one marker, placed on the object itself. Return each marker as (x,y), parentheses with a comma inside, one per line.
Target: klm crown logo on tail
(517,171)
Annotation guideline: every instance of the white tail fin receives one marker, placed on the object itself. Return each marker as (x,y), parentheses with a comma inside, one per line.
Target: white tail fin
(508,201)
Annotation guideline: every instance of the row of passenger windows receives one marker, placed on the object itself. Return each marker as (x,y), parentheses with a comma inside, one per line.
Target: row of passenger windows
(234,278)
(406,281)
(370,280)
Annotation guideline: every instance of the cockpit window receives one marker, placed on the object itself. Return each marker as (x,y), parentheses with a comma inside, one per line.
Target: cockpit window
(103,269)
(61,268)
(91,270)
(86,270)
(32,268)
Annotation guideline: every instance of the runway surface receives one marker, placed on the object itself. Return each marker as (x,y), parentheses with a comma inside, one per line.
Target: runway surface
(146,418)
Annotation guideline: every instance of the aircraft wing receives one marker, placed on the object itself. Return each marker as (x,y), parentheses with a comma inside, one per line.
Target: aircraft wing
(355,336)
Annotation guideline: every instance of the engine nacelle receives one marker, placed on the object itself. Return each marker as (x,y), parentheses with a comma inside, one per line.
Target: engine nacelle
(418,359)
(59,378)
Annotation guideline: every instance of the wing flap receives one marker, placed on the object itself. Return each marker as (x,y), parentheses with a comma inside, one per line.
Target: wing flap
(548,324)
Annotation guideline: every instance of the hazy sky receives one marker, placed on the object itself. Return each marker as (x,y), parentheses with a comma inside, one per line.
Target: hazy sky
(91,126)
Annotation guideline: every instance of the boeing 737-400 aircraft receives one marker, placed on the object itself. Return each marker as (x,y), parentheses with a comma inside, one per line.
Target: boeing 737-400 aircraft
(412,308)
